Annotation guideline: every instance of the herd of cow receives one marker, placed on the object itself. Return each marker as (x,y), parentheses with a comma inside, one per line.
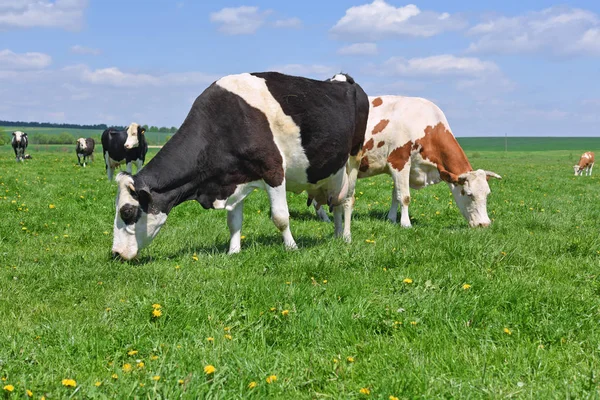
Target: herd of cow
(283,133)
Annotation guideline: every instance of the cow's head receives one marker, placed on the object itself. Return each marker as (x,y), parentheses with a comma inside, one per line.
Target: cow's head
(81,144)
(18,135)
(133,132)
(136,220)
(577,170)
(470,191)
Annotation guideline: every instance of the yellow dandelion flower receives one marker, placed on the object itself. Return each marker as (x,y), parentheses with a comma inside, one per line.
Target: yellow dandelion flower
(272,309)
(408,281)
(156,313)
(365,391)
(228,336)
(140,364)
(51,206)
(156,306)
(227,329)
(69,382)
(126,367)
(142,384)
(9,388)
(370,241)
(3,379)
(177,267)
(350,359)
(252,385)
(132,352)
(507,331)
(285,313)
(195,257)
(115,376)
(393,398)
(271,378)
(29,393)
(413,323)
(156,378)
(209,369)
(325,281)
(466,286)
(335,360)
(153,358)
(98,384)
(210,339)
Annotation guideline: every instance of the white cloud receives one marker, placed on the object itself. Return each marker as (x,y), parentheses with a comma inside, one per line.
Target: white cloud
(440,65)
(557,31)
(315,71)
(23,61)
(77,49)
(288,23)
(65,14)
(359,49)
(239,21)
(380,20)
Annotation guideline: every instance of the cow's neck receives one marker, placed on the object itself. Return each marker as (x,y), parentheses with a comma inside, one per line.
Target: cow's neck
(440,147)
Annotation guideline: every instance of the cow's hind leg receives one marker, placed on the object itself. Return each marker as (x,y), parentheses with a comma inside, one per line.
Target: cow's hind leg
(110,170)
(401,194)
(591,168)
(234,222)
(280,213)
(129,167)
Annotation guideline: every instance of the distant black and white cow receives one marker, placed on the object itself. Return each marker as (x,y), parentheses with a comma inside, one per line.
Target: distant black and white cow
(249,131)
(128,145)
(19,144)
(84,149)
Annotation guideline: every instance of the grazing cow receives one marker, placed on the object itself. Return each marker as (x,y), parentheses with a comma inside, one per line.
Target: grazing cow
(409,138)
(128,145)
(19,144)
(249,131)
(84,149)
(586,162)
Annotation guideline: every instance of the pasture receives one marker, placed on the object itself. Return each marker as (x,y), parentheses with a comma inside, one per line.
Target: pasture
(439,310)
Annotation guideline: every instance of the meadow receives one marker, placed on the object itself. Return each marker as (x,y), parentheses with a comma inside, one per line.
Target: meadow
(436,311)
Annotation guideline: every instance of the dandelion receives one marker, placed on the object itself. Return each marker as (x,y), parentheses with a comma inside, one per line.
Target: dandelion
(335,360)
(350,359)
(271,378)
(252,385)
(209,369)
(503,253)
(272,309)
(210,339)
(370,241)
(393,398)
(181,381)
(156,378)
(29,393)
(413,323)
(325,281)
(51,206)
(227,329)
(115,376)
(98,384)
(466,286)
(132,352)
(9,388)
(408,281)
(285,313)
(154,358)
(365,391)
(156,313)
(437,213)
(156,306)
(69,382)
(507,331)
(229,337)
(195,257)
(127,367)
(140,364)
(177,267)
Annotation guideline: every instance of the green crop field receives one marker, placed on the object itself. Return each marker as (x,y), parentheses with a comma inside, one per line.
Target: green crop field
(436,311)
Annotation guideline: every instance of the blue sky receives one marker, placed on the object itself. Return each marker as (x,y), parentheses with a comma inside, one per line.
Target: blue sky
(522,68)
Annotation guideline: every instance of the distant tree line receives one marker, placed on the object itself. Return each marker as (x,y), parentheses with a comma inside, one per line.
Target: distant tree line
(152,128)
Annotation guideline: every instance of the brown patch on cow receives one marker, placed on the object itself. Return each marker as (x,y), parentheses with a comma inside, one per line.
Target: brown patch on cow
(369,145)
(380,144)
(441,148)
(586,159)
(399,156)
(380,126)
(364,164)
(377,102)
(406,200)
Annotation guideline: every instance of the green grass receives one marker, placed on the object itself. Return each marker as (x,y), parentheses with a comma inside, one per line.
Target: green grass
(529,143)
(69,311)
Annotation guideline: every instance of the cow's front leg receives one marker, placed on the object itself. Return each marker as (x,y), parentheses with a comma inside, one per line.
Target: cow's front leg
(129,167)
(280,214)
(234,222)
(401,194)
(138,165)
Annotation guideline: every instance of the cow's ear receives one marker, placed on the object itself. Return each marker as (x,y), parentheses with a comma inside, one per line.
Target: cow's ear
(141,130)
(145,199)
(13,133)
(462,179)
(132,192)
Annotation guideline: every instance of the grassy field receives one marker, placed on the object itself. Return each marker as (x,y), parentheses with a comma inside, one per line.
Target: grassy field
(437,311)
(529,143)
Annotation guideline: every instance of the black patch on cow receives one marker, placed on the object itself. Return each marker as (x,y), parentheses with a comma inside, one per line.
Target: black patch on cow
(90,144)
(130,214)
(332,117)
(113,143)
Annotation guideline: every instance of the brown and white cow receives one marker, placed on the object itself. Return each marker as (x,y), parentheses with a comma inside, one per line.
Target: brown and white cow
(586,162)
(410,139)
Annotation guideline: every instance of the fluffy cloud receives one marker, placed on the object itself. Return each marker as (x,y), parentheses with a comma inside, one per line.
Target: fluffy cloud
(288,23)
(239,21)
(557,31)
(65,14)
(441,65)
(380,20)
(77,49)
(359,49)
(23,61)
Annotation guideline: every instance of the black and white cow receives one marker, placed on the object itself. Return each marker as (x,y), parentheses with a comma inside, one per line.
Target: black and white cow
(128,145)
(249,131)
(19,144)
(84,149)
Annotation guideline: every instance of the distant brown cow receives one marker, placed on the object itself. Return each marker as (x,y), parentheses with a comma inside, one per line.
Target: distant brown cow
(586,162)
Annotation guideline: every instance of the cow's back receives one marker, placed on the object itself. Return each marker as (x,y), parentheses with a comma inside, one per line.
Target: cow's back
(113,143)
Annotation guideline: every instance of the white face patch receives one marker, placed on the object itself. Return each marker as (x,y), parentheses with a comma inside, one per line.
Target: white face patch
(129,239)
(82,143)
(286,133)
(18,136)
(471,197)
(132,136)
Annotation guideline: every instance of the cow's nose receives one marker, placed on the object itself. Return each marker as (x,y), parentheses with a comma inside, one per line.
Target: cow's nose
(127,146)
(484,224)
